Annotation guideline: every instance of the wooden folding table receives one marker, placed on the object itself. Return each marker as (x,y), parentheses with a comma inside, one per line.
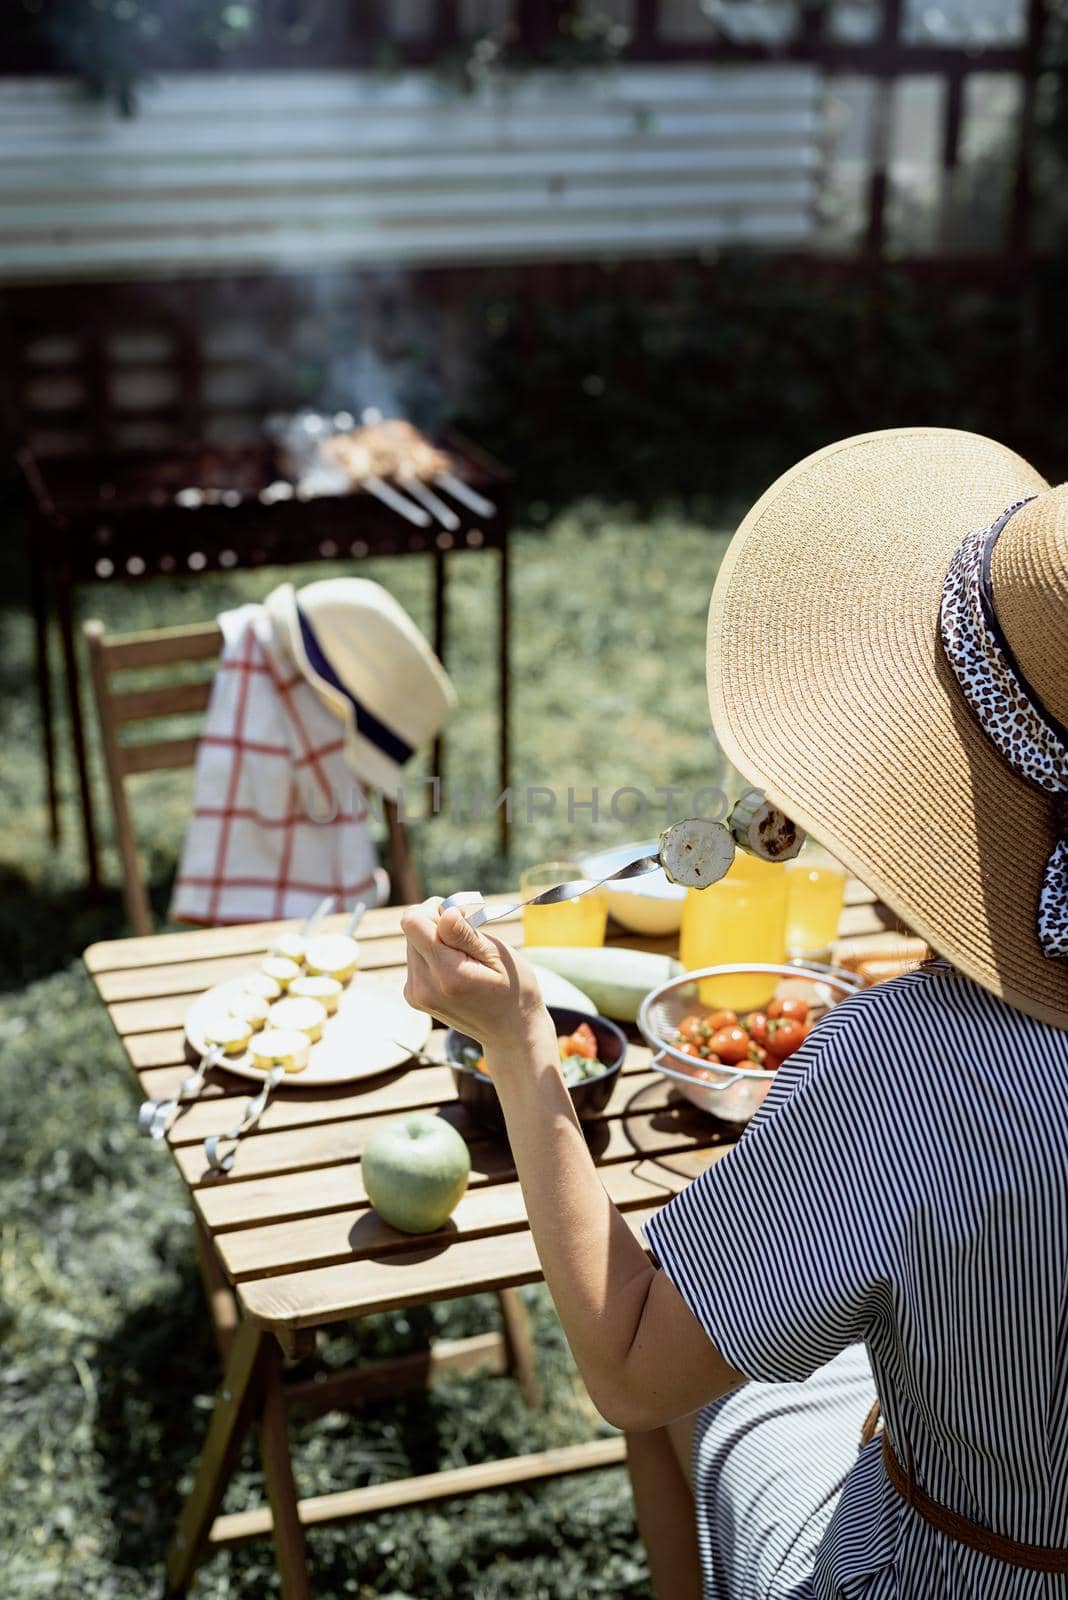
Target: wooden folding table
(289,1243)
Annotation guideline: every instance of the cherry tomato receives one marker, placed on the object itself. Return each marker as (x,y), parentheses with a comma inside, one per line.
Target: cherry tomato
(787,1036)
(583,1042)
(757,1024)
(694,1028)
(731,1044)
(689,1048)
(721,1019)
(796,1009)
(757,1054)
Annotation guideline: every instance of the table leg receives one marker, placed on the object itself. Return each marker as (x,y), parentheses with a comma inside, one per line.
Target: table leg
(504,645)
(65,611)
(222,1302)
(520,1346)
(230,1422)
(39,604)
(290,1549)
(440,626)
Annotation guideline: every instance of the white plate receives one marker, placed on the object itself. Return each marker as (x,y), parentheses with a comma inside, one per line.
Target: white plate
(373,1029)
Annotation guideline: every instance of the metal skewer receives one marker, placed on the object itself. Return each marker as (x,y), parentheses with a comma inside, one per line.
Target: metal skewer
(422,1059)
(156,1117)
(311,922)
(465,494)
(254,1108)
(420,1056)
(251,1114)
(396,502)
(426,497)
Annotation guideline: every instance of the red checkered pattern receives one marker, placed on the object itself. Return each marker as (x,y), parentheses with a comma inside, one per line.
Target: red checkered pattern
(278,819)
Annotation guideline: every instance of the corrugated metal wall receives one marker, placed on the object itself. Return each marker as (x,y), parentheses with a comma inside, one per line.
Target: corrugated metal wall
(291,170)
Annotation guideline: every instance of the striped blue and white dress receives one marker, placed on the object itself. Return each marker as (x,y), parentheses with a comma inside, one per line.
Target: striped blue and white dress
(895,1221)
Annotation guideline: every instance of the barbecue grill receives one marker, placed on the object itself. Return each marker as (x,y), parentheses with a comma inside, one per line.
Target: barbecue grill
(140,515)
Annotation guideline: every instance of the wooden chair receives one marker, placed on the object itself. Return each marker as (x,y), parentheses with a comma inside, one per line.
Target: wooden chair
(116,708)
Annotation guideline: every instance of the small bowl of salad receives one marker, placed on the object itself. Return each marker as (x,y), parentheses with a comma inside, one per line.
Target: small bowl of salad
(591,1056)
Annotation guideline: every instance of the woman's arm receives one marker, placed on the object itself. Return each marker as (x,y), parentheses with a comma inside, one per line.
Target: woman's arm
(642,1353)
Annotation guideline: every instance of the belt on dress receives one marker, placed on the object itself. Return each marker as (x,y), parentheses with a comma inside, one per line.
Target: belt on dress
(1032,1557)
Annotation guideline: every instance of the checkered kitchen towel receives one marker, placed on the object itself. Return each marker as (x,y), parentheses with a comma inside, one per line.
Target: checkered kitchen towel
(278,819)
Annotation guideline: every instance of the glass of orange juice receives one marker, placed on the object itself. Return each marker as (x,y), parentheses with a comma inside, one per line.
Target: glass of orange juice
(815,895)
(741,918)
(574,922)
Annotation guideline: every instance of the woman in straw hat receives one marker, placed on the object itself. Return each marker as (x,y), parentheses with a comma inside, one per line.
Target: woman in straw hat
(888,659)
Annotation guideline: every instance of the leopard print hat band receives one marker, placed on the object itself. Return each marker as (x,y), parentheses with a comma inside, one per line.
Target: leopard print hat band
(1034,743)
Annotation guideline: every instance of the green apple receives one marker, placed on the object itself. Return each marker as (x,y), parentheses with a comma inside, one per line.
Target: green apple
(415,1171)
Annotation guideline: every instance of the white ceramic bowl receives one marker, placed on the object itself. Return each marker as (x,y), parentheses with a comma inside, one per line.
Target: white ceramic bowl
(649,905)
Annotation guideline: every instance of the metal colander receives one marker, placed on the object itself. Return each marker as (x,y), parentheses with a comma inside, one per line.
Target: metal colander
(730,1093)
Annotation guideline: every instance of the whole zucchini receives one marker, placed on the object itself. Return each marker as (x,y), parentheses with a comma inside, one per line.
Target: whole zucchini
(617,980)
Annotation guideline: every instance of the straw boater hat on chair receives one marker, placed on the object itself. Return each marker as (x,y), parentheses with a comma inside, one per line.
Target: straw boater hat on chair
(370,664)
(888,659)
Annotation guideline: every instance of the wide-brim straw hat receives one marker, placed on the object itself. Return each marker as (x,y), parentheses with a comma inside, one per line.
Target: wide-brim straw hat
(829,688)
(365,657)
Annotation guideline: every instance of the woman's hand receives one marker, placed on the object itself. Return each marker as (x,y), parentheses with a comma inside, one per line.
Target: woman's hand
(469,980)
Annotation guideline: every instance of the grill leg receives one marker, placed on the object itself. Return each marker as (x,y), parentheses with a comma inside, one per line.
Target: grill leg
(65,610)
(504,671)
(39,603)
(440,621)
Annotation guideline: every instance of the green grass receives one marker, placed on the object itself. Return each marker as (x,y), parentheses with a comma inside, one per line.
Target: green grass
(106,1365)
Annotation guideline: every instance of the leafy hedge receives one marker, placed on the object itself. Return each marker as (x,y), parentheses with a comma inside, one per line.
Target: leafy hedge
(710,380)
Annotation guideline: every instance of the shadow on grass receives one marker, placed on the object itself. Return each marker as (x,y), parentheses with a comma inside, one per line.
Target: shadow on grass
(151,1376)
(46,923)
(413,1416)
(157,1377)
(14,563)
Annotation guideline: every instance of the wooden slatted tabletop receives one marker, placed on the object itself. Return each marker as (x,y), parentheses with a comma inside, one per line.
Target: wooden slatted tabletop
(291,1224)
